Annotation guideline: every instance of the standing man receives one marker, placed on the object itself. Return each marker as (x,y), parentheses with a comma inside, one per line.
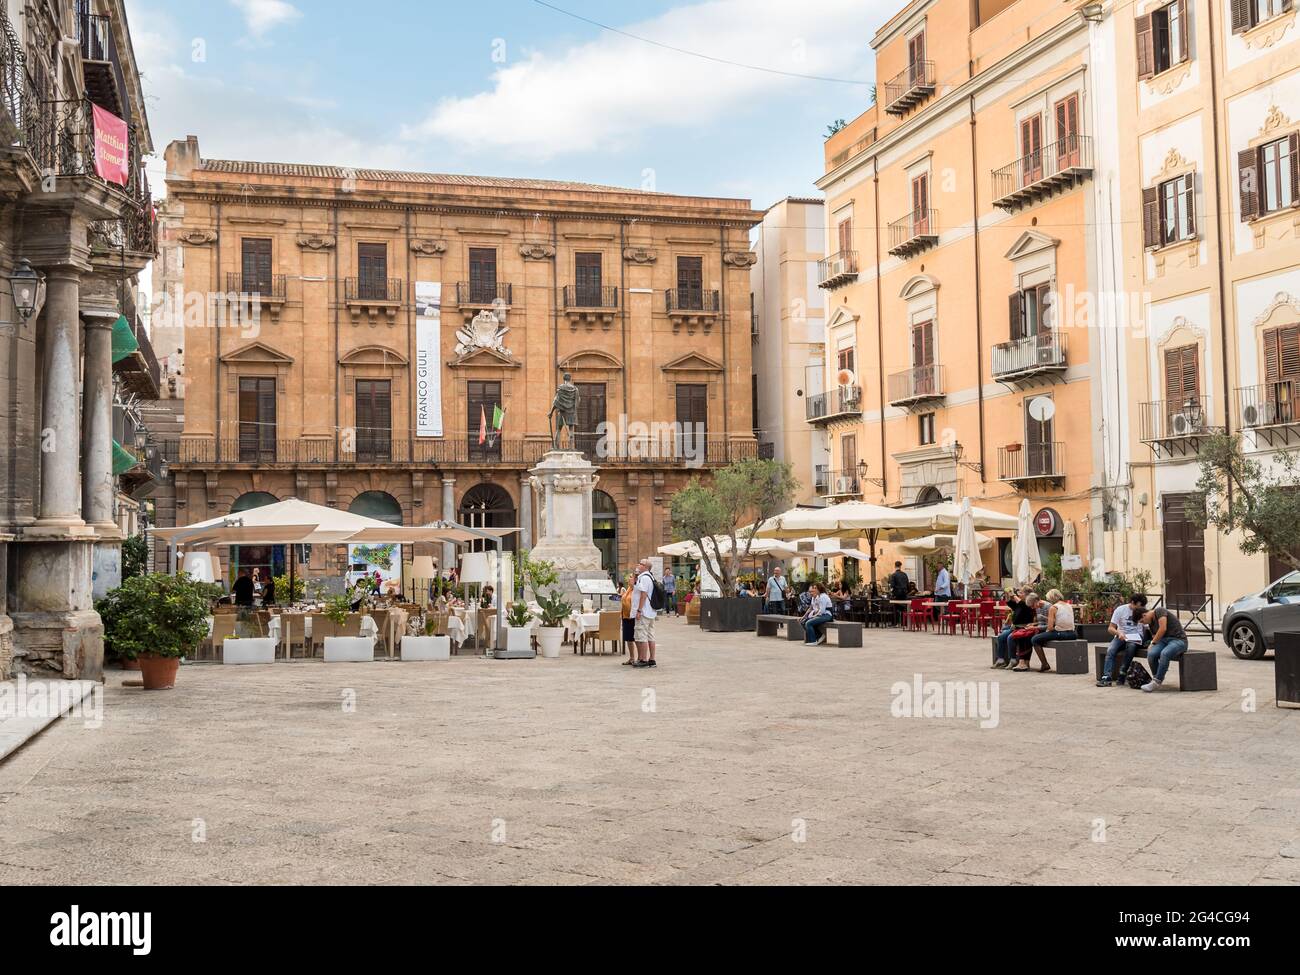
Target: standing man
(643,615)
(670,591)
(242,590)
(898,582)
(1168,640)
(777,588)
(942,589)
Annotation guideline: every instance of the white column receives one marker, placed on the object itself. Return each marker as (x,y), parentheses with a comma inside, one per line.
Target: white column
(60,434)
(525,512)
(97,424)
(448,514)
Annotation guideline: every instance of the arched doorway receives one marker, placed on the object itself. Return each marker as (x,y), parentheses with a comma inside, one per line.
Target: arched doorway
(604,530)
(929,495)
(489,506)
(265,561)
(384,558)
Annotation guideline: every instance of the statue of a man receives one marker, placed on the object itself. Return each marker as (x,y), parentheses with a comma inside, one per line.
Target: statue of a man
(565,409)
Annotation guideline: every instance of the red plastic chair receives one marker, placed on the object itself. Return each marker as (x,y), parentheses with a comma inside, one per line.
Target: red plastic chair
(918,616)
(987,617)
(951,620)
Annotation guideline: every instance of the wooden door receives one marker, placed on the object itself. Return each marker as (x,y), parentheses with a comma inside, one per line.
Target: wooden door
(1031,150)
(692,418)
(256,265)
(1184,551)
(482,275)
(1067,132)
(1039,459)
(591,416)
(257,419)
(374,431)
(690,282)
(481,398)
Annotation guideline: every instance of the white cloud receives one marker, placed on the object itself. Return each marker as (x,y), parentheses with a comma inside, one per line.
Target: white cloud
(261,16)
(609,93)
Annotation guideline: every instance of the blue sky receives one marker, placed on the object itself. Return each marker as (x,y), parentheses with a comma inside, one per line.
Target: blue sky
(513,88)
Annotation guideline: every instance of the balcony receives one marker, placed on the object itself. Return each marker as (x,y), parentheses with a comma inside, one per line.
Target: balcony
(373,296)
(907,89)
(378,447)
(1033,464)
(1035,360)
(139,372)
(840,404)
(1057,166)
(267,290)
(837,270)
(1270,411)
(916,390)
(693,308)
(1176,428)
(836,484)
(916,232)
(100,63)
(588,305)
(473,297)
(753,326)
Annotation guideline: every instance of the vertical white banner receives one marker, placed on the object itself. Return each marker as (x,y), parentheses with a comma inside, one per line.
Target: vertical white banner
(428,358)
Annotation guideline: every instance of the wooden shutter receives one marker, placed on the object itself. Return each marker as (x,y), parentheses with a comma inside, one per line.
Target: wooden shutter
(1189,203)
(1146,46)
(587,277)
(1184,39)
(1151,216)
(690,274)
(374,419)
(1248,179)
(844,231)
(1282,354)
(483,275)
(1293,150)
(692,415)
(256,265)
(1182,378)
(923,344)
(1016,316)
(1242,16)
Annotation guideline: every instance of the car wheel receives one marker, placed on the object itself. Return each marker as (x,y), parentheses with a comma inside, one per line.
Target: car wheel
(1246,640)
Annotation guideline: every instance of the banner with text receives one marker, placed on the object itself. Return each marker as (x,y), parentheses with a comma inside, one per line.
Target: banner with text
(111,150)
(428,358)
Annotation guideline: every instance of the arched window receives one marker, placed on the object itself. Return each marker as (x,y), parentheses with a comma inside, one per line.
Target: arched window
(265,561)
(252,499)
(378,505)
(489,506)
(929,495)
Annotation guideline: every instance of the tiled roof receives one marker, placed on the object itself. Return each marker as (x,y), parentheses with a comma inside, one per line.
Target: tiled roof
(397,176)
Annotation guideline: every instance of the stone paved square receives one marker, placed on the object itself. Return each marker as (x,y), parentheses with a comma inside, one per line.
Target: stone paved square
(761,762)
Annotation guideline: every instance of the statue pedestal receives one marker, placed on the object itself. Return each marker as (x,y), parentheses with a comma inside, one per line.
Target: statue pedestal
(562,482)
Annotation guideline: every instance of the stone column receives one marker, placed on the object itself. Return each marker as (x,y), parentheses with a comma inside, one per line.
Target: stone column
(60,436)
(448,514)
(525,512)
(97,426)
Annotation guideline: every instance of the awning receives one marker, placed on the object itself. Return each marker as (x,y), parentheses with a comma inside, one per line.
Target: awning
(124,342)
(123,459)
(456,534)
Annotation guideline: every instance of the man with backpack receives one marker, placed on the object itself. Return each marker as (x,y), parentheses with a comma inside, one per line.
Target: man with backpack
(647,600)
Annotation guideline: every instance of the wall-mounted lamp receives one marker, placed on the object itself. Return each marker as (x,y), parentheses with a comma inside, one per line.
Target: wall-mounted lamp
(957,450)
(27,285)
(862,476)
(1093,12)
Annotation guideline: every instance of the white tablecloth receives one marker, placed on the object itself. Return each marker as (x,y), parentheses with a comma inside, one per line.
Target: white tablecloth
(580,624)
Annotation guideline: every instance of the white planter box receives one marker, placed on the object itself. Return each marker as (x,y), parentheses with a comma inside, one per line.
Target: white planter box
(550,639)
(349,649)
(519,637)
(426,648)
(256,650)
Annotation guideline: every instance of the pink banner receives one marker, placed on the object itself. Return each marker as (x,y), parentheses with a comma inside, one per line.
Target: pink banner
(111,151)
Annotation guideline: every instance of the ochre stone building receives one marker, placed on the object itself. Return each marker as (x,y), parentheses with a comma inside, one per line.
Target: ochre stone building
(390,342)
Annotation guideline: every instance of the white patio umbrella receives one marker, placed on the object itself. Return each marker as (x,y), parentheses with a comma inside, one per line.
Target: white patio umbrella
(966,560)
(1024,554)
(1069,540)
(927,544)
(947,516)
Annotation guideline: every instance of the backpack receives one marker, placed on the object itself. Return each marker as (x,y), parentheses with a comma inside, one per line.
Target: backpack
(657,599)
(1137,675)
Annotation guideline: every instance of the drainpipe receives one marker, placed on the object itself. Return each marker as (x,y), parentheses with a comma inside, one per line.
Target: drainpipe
(1223,288)
(979,318)
(880,324)
(216,360)
(410,349)
(622,305)
(334,214)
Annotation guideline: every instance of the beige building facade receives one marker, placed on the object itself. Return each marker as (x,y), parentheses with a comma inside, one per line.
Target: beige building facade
(789,333)
(390,343)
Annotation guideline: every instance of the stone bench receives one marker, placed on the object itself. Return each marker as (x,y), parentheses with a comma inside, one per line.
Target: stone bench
(847,633)
(1071,655)
(769,624)
(1198,670)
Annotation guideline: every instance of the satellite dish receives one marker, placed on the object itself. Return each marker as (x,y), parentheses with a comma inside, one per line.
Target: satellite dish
(1042,409)
(845,377)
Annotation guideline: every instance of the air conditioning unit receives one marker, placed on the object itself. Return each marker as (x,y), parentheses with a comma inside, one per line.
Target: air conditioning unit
(1259,414)
(844,484)
(1185,424)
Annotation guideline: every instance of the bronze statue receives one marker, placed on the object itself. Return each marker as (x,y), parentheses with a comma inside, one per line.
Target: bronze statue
(565,408)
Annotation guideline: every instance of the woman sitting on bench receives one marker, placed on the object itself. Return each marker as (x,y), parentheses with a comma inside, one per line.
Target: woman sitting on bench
(1060,626)
(817,615)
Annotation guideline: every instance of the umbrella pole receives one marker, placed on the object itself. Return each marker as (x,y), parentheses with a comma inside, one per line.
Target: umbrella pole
(871,539)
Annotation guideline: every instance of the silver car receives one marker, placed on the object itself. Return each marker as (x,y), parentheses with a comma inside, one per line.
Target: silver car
(1250,622)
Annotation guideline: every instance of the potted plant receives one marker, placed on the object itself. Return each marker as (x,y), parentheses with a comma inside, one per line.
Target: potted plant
(345,649)
(429,646)
(283,596)
(519,629)
(555,610)
(157,619)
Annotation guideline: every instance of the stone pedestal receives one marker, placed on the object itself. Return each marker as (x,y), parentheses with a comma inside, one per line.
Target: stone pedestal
(57,632)
(562,482)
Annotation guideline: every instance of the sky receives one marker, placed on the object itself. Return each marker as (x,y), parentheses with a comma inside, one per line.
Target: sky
(515,87)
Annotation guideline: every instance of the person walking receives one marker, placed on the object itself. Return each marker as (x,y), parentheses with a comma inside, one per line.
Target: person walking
(777,589)
(670,592)
(643,615)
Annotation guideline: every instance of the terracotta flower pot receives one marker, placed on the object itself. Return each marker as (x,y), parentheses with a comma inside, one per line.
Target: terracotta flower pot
(159,673)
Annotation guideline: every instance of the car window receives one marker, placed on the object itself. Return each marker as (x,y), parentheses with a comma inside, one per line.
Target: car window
(1288,585)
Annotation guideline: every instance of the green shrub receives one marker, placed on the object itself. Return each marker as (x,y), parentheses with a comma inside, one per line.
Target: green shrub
(157,614)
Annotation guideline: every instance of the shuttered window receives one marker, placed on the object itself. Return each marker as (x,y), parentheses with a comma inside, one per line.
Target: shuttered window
(1067,132)
(1282,354)
(921,204)
(1182,378)
(255,254)
(1031,311)
(692,401)
(1169,211)
(482,275)
(1162,39)
(374,420)
(591,417)
(923,374)
(1031,150)
(1249,13)
(372,271)
(1268,177)
(256,419)
(481,397)
(844,234)
(587,278)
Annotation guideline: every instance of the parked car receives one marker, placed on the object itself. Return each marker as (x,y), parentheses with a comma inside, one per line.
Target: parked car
(1250,623)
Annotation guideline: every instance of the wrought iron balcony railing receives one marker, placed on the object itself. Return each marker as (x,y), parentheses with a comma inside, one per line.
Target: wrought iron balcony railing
(373,289)
(907,89)
(1269,404)
(842,401)
(914,233)
(1037,353)
(837,270)
(702,300)
(1031,462)
(917,384)
(262,285)
(485,293)
(1058,165)
(587,296)
(1175,427)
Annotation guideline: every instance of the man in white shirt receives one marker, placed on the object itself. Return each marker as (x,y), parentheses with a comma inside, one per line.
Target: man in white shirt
(643,615)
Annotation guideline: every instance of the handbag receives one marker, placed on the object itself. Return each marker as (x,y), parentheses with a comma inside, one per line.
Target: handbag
(1024,633)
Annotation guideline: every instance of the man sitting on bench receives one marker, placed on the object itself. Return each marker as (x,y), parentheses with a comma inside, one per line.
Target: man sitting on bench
(818,615)
(1168,640)
(1127,635)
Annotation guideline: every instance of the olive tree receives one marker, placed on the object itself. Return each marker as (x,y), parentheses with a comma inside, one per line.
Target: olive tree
(1260,501)
(721,517)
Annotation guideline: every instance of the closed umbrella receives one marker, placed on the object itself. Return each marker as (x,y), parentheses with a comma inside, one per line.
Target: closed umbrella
(966,559)
(1069,543)
(1024,556)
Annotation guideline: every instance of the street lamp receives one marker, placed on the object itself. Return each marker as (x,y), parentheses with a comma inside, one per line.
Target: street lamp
(27,286)
(862,476)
